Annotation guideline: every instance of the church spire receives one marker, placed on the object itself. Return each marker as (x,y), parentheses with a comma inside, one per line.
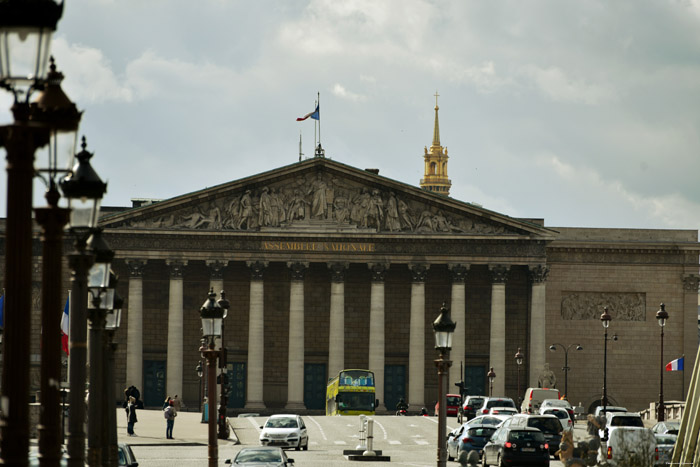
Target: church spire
(435,177)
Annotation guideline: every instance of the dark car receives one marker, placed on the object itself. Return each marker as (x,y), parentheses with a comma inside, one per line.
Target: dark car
(516,446)
(471,405)
(261,456)
(468,437)
(549,425)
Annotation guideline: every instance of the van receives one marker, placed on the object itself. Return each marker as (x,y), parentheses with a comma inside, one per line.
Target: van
(535,396)
(628,445)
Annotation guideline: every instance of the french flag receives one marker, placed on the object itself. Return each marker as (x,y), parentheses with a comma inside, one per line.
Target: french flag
(65,326)
(675,365)
(314,115)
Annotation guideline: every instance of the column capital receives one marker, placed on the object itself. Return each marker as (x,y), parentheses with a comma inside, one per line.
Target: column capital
(338,270)
(499,273)
(538,274)
(135,267)
(216,268)
(690,282)
(378,271)
(176,267)
(257,269)
(298,269)
(458,272)
(418,271)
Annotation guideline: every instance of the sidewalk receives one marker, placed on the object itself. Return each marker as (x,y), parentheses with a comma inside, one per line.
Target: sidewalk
(150,429)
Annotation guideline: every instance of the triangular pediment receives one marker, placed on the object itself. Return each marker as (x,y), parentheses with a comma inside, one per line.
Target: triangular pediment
(322,196)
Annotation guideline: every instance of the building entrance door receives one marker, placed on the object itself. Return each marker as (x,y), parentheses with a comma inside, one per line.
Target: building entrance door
(315,383)
(237,380)
(475,380)
(394,385)
(154,383)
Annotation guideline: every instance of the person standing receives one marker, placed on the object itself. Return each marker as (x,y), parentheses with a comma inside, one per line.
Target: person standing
(131,416)
(167,402)
(177,402)
(170,415)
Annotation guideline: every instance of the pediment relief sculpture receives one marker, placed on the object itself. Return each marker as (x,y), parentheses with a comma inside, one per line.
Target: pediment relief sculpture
(316,202)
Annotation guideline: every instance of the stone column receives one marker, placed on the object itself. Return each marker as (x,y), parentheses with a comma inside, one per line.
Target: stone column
(175,335)
(691,300)
(134,332)
(459,316)
(376,328)
(497,351)
(256,337)
(538,342)
(336,333)
(295,368)
(416,339)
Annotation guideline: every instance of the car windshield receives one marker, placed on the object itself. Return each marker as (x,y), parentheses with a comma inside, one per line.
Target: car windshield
(475,402)
(487,420)
(626,421)
(500,403)
(356,401)
(281,423)
(555,403)
(258,455)
(545,425)
(481,432)
(557,413)
(665,440)
(453,400)
(521,436)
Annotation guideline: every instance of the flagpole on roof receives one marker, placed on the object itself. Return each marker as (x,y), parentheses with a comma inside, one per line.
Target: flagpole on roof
(318,106)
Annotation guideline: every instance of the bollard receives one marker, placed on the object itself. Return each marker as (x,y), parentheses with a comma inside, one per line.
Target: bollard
(363,434)
(370,437)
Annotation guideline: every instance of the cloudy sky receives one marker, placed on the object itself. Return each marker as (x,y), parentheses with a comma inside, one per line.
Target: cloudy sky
(585,114)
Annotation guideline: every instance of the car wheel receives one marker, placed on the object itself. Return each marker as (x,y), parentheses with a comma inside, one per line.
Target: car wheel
(500,462)
(483,460)
(298,445)
(449,457)
(306,446)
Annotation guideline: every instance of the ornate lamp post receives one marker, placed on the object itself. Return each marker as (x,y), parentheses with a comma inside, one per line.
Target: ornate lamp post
(223,426)
(200,373)
(661,317)
(112,322)
(212,318)
(443,327)
(84,190)
(566,367)
(491,375)
(26,28)
(605,318)
(519,362)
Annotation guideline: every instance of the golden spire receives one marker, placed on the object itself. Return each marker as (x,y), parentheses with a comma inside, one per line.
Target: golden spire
(435,178)
(436,129)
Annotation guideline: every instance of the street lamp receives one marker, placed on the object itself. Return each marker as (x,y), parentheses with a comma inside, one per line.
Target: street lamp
(443,327)
(112,322)
(566,368)
(212,316)
(200,373)
(84,190)
(26,28)
(662,317)
(605,319)
(519,362)
(491,375)
(223,426)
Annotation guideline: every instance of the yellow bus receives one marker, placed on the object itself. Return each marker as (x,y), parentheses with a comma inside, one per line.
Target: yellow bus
(351,392)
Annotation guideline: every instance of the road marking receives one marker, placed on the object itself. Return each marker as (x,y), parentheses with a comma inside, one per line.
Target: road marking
(254,423)
(394,441)
(420,441)
(380,426)
(339,442)
(319,427)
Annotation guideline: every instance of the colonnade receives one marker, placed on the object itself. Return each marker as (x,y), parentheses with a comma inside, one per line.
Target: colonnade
(336,357)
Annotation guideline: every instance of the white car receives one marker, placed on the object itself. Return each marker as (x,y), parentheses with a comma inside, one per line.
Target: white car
(285,431)
(502,411)
(561,413)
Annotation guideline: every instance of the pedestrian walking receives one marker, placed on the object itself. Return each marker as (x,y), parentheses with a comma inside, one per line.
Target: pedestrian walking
(169,413)
(177,403)
(131,416)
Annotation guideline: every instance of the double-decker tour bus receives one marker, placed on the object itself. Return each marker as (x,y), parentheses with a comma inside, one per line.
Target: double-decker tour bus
(351,393)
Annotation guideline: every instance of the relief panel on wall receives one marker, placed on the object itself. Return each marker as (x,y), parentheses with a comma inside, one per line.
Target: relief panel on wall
(622,306)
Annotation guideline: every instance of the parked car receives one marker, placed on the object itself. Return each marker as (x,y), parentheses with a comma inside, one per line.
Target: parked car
(471,405)
(468,437)
(609,408)
(490,402)
(516,446)
(261,456)
(628,445)
(534,397)
(452,407)
(667,428)
(664,448)
(565,419)
(560,403)
(285,430)
(549,425)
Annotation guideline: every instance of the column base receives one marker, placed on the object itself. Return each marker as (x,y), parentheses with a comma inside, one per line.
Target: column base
(255,405)
(295,405)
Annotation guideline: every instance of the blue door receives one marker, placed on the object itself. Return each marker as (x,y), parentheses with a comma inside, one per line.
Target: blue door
(315,385)
(237,380)
(394,385)
(475,380)
(154,383)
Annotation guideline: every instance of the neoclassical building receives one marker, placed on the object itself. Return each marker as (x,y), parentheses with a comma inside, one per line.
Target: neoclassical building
(328,266)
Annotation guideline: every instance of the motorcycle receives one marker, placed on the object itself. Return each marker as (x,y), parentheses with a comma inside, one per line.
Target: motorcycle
(402,411)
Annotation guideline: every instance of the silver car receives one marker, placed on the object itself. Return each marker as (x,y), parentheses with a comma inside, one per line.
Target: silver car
(285,431)
(261,456)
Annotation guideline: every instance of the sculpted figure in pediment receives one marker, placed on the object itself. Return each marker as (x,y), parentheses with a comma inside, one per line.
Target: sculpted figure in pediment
(392,214)
(319,204)
(375,211)
(405,216)
(198,220)
(245,211)
(342,212)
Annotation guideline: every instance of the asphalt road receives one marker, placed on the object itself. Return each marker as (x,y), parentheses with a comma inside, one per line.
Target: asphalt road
(409,441)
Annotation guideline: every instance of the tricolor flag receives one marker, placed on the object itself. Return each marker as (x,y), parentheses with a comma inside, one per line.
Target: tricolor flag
(315,115)
(2,311)
(675,365)
(64,326)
